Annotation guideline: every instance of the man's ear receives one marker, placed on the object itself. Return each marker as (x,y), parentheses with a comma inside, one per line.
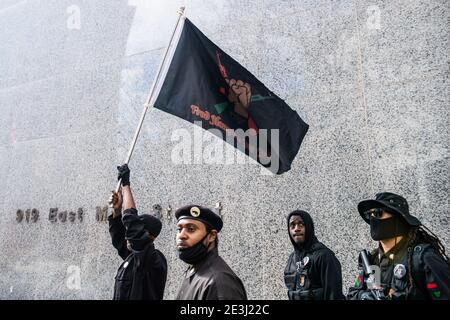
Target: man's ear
(212,236)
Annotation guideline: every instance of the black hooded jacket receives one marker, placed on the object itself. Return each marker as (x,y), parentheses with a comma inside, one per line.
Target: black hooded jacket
(143,273)
(312,271)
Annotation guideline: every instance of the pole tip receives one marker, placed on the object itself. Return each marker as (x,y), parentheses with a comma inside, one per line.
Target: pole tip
(181,10)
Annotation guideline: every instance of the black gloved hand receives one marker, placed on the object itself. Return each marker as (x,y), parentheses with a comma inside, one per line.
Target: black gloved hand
(124,174)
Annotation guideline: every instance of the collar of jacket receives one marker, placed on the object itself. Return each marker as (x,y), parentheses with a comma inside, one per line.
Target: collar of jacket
(205,263)
(395,255)
(300,252)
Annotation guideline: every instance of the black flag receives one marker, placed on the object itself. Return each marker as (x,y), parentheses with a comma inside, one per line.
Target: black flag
(205,84)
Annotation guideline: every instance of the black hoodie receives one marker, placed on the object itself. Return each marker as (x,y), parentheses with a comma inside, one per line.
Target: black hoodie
(143,273)
(312,271)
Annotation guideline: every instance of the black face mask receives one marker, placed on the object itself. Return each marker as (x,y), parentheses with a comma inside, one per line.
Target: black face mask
(387,228)
(194,254)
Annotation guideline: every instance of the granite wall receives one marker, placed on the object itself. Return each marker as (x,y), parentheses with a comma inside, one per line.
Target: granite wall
(369,77)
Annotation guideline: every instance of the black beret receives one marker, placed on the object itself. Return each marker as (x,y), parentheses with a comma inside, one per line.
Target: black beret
(152,224)
(200,213)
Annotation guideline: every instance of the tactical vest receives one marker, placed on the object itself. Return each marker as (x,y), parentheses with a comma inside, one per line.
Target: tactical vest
(300,287)
(400,283)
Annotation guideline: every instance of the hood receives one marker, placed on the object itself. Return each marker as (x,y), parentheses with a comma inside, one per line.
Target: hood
(310,237)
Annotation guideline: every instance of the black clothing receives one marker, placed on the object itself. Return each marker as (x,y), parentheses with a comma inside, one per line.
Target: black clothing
(203,214)
(143,273)
(312,271)
(430,274)
(211,279)
(391,202)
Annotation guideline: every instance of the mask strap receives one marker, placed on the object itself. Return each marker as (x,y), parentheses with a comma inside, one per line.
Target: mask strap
(203,239)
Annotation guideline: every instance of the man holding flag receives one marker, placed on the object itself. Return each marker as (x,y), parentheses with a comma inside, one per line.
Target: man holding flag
(143,272)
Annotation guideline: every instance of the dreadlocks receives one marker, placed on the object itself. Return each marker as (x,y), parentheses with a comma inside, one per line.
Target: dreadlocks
(422,234)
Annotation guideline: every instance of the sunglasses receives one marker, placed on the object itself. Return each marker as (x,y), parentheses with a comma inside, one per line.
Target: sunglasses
(376,213)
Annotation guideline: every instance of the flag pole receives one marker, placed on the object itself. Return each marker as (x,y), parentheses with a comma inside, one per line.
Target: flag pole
(147,104)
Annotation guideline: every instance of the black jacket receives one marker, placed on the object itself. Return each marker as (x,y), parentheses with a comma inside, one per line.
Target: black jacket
(143,273)
(430,274)
(211,279)
(312,271)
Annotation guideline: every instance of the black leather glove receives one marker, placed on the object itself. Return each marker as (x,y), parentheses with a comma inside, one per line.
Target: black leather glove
(124,174)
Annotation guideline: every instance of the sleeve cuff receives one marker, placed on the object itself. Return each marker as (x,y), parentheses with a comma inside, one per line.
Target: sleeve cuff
(130,211)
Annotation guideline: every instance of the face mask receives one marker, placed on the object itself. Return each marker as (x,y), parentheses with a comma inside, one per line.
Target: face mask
(381,229)
(194,254)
